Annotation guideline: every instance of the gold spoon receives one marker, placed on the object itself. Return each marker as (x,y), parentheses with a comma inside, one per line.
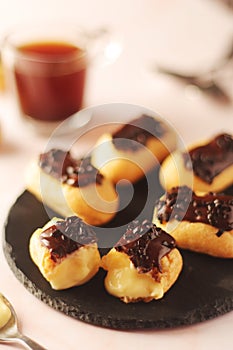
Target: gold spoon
(9,328)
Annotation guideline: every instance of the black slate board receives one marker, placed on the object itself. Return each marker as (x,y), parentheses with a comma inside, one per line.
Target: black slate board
(203,291)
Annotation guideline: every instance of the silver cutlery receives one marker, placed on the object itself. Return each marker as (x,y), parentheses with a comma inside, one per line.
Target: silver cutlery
(206,82)
(9,332)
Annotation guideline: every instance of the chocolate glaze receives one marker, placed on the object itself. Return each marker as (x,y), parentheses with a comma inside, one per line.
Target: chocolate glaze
(146,245)
(131,136)
(62,166)
(66,236)
(212,208)
(210,160)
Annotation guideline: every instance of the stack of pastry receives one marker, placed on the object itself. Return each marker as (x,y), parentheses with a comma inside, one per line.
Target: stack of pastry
(86,189)
(142,266)
(145,263)
(197,217)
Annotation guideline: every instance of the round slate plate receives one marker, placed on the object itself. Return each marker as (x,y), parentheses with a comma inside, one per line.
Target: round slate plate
(204,289)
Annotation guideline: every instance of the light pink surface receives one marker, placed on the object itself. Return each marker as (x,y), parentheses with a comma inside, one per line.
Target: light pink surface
(188,35)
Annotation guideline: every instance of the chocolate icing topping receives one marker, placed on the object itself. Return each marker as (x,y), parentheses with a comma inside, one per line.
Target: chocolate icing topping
(62,166)
(210,160)
(66,236)
(146,245)
(212,208)
(131,136)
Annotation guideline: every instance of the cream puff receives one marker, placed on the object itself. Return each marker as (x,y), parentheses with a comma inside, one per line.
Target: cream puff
(143,265)
(72,187)
(198,222)
(66,252)
(205,167)
(134,149)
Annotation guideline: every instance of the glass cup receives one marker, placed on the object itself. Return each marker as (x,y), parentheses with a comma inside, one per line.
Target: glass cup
(46,70)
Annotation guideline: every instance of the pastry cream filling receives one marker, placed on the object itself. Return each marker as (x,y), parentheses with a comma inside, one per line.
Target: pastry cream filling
(5,313)
(76,269)
(124,281)
(73,270)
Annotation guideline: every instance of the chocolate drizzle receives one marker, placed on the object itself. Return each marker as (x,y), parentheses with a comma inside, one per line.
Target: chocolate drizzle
(210,160)
(63,167)
(66,236)
(131,136)
(212,208)
(146,245)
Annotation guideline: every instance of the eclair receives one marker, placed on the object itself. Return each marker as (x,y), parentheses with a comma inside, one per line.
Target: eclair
(66,252)
(143,265)
(134,149)
(72,187)
(205,167)
(199,222)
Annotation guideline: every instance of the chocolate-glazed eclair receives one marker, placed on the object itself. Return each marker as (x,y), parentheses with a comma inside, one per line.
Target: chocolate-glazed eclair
(133,149)
(143,265)
(65,252)
(202,223)
(72,187)
(205,167)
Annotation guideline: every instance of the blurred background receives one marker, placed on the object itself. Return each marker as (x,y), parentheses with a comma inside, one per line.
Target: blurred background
(190,37)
